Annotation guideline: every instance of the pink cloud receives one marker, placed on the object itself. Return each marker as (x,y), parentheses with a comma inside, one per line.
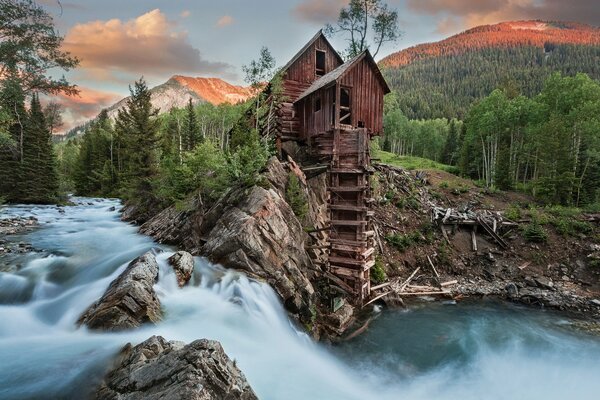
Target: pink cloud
(79,109)
(225,20)
(460,14)
(146,45)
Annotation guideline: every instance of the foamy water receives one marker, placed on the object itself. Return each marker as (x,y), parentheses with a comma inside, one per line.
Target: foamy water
(470,352)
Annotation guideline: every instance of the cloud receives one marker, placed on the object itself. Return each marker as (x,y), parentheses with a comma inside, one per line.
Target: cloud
(185,13)
(146,45)
(225,20)
(466,13)
(319,11)
(84,107)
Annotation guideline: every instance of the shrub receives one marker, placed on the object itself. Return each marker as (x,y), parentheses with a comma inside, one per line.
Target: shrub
(378,274)
(534,232)
(295,196)
(402,242)
(513,212)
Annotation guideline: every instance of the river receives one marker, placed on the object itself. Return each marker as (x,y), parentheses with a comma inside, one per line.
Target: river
(473,350)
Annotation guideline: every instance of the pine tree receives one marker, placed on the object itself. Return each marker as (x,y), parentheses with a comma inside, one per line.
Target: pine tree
(191,127)
(12,102)
(451,147)
(39,178)
(137,126)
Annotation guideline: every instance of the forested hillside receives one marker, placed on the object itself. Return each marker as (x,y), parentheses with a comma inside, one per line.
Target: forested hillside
(443,79)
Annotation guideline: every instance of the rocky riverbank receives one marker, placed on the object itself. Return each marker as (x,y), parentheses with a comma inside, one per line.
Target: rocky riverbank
(255,230)
(159,369)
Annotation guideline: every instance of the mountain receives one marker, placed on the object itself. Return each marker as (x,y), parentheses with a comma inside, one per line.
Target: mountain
(177,91)
(444,78)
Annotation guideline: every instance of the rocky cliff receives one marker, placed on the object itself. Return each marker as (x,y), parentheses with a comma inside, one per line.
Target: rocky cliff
(158,369)
(254,229)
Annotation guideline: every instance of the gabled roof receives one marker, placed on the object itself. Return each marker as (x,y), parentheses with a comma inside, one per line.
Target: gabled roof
(333,76)
(307,45)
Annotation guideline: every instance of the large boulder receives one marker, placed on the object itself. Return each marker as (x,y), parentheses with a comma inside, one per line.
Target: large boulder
(158,369)
(183,265)
(252,229)
(129,301)
(256,231)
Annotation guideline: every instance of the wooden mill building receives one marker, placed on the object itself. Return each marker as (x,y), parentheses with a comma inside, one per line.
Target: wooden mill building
(335,108)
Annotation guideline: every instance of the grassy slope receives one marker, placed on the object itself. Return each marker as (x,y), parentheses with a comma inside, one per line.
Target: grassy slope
(412,163)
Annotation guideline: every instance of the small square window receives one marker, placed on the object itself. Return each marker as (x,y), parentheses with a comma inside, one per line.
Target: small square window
(317,104)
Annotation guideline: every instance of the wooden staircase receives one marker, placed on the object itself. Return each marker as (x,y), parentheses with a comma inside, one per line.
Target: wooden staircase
(351,251)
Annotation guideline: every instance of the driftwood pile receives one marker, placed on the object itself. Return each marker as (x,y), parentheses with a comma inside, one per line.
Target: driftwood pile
(404,288)
(490,222)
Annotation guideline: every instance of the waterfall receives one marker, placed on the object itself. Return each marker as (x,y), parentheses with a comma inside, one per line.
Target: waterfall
(487,353)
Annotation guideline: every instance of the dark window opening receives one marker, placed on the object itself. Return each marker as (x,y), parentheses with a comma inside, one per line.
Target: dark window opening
(317,104)
(320,63)
(345,110)
(333,101)
(361,124)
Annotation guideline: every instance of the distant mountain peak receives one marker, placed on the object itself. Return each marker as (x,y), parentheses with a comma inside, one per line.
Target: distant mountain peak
(214,90)
(505,34)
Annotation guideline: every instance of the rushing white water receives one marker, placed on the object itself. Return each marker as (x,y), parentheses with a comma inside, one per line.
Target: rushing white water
(447,353)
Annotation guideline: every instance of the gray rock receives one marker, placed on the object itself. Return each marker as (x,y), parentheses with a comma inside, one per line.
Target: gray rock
(512,290)
(158,369)
(130,299)
(595,302)
(260,234)
(544,282)
(183,264)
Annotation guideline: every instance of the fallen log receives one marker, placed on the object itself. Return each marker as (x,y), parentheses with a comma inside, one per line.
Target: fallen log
(406,282)
(444,284)
(434,293)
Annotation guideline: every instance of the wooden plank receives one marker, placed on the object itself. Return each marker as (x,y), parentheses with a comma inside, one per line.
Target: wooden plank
(474,238)
(347,188)
(339,282)
(352,273)
(346,260)
(348,207)
(343,222)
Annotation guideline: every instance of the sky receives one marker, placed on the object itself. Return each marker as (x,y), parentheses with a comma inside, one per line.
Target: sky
(119,41)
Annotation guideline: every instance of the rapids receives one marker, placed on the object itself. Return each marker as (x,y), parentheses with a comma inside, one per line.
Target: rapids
(467,351)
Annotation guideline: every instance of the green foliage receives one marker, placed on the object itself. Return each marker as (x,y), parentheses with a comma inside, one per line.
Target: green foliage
(203,170)
(378,274)
(413,163)
(27,161)
(429,139)
(447,86)
(296,197)
(39,179)
(248,159)
(191,128)
(353,23)
(535,232)
(513,212)
(137,128)
(31,46)
(424,235)
(109,160)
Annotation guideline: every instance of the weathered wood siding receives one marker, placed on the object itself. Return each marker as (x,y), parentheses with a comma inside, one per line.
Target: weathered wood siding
(367,96)
(366,100)
(299,76)
(303,70)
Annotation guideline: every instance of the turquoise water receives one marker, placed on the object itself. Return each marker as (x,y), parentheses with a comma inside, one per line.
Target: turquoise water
(465,351)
